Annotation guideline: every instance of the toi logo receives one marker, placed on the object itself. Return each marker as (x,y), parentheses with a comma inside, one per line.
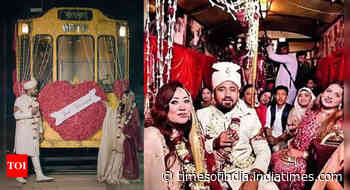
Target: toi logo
(17,165)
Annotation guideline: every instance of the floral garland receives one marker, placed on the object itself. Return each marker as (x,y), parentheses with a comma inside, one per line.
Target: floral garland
(182,152)
(158,68)
(245,11)
(186,158)
(213,130)
(162,66)
(171,32)
(125,116)
(148,61)
(216,126)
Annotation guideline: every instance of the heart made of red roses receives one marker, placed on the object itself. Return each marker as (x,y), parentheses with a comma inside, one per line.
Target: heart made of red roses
(57,95)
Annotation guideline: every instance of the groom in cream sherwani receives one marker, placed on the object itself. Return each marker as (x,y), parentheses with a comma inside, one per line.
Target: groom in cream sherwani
(233,133)
(29,128)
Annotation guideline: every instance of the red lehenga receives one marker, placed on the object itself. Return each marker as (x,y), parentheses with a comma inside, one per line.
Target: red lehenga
(132,144)
(307,132)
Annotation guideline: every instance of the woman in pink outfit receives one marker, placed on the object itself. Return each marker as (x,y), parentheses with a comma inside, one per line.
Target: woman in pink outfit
(322,116)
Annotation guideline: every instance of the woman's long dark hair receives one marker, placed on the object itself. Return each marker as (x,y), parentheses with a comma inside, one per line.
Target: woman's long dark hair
(160,116)
(199,98)
(244,89)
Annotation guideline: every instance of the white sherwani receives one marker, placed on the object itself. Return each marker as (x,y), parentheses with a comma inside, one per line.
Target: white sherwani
(247,153)
(28,126)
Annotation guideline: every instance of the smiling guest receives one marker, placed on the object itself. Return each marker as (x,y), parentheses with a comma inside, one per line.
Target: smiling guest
(264,101)
(204,98)
(305,99)
(315,129)
(276,119)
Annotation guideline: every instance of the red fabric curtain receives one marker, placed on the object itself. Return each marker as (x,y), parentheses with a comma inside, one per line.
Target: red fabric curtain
(207,69)
(346,62)
(188,66)
(331,69)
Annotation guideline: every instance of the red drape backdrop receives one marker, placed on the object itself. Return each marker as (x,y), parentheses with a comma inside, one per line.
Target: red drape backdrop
(331,68)
(188,66)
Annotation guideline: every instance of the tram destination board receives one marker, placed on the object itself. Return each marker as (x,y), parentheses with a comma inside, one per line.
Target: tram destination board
(69,14)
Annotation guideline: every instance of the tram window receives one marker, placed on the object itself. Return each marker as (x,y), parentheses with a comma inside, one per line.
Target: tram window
(24,57)
(122,57)
(75,56)
(42,59)
(106,62)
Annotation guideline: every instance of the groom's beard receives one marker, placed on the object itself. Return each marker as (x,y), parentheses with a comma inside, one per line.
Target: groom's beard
(224,109)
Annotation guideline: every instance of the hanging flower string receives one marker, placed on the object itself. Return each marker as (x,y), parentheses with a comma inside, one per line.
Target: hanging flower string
(171,32)
(162,37)
(230,6)
(158,71)
(160,31)
(164,30)
(148,60)
(245,11)
(253,16)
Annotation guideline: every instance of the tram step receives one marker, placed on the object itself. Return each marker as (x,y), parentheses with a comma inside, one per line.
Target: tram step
(68,159)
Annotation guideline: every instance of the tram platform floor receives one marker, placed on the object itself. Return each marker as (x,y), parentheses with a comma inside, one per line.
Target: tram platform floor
(66,181)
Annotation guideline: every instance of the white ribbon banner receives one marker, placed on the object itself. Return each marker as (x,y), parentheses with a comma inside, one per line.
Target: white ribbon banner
(75,107)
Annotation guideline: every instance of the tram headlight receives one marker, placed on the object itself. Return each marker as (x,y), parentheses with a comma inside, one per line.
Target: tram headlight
(122,31)
(25,28)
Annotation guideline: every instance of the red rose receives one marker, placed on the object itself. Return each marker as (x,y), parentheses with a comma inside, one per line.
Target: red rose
(240,16)
(235,120)
(171,11)
(18,89)
(256,16)
(56,95)
(208,137)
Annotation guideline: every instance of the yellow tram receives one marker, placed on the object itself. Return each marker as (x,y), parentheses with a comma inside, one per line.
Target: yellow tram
(74,45)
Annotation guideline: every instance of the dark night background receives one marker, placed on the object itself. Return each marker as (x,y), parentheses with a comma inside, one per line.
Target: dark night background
(10,11)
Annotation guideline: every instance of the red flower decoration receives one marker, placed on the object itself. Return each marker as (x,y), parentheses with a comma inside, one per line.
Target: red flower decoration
(18,89)
(171,11)
(212,168)
(256,16)
(208,137)
(236,120)
(57,95)
(120,86)
(240,16)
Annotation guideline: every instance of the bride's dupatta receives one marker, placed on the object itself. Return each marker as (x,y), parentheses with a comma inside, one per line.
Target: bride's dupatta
(333,165)
(204,162)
